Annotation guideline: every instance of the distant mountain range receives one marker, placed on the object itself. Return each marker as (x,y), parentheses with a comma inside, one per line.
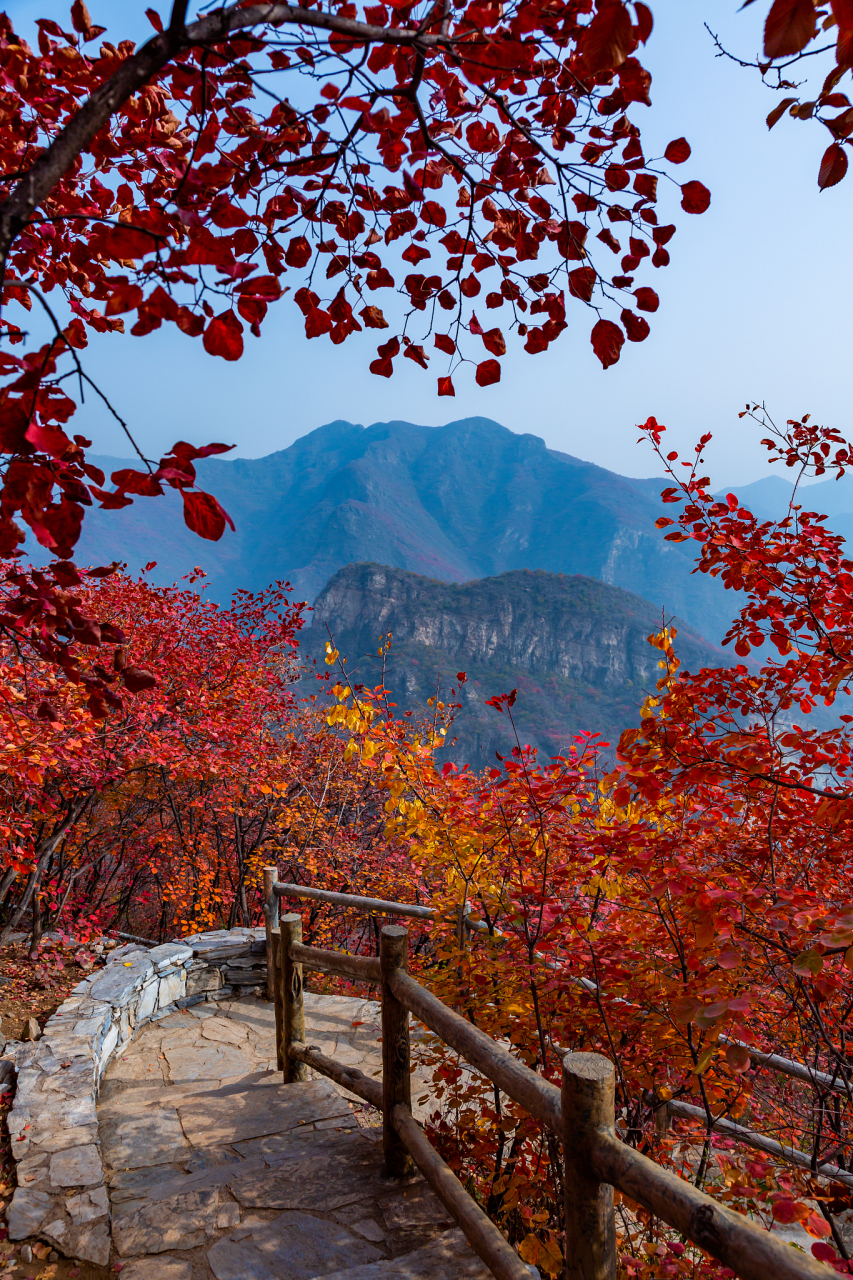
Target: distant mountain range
(463,501)
(575,649)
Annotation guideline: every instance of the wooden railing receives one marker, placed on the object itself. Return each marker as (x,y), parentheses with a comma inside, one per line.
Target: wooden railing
(581,1114)
(822,1082)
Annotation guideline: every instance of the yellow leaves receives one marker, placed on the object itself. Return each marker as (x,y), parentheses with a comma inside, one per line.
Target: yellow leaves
(705,1059)
(544,1254)
(331,654)
(606,886)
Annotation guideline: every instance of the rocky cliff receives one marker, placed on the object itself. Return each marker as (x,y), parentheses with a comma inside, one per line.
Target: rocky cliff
(576,649)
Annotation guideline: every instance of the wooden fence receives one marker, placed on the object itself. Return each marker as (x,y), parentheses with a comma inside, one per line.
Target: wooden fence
(581,1113)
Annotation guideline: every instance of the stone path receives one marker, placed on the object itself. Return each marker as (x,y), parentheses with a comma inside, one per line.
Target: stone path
(217,1169)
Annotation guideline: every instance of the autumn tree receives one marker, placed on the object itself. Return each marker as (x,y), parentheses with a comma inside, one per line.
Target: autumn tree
(146,811)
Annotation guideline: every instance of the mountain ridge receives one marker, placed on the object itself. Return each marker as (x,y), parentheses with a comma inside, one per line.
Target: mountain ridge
(466,500)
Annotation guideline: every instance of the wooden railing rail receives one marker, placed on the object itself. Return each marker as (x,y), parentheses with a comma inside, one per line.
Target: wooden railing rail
(273,890)
(799,1070)
(581,1114)
(730,1129)
(377,906)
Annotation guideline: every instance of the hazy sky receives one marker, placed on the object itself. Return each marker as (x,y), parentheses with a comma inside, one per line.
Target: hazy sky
(755,304)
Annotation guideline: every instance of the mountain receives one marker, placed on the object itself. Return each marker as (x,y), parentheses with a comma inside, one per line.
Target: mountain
(575,649)
(466,500)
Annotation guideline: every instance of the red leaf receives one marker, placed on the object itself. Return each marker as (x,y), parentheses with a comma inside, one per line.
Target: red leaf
(189,323)
(788,1211)
(224,337)
(137,680)
(738,1058)
(386,350)
(125,242)
(493,341)
(80,19)
(125,298)
(636,327)
(187,452)
(260,287)
(616,177)
(644,21)
(694,197)
(298,252)
(141,482)
(444,343)
(445,387)
(777,112)
(48,439)
(582,282)
(607,341)
(414,254)
(678,151)
(487,373)
(204,515)
(647,299)
(790,25)
(609,38)
(317,322)
(833,167)
(373,317)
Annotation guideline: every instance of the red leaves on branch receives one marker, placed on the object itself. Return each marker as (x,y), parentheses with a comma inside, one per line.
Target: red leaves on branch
(445,387)
(200,202)
(607,342)
(636,327)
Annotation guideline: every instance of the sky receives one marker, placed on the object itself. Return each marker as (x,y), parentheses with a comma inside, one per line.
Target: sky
(755,305)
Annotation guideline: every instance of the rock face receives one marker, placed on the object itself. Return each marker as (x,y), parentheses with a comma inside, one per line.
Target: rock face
(576,649)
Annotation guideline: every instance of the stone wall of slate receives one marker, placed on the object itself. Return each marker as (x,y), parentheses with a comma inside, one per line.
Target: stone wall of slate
(61,1195)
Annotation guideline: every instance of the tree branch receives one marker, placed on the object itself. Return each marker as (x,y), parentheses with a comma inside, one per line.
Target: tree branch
(142,66)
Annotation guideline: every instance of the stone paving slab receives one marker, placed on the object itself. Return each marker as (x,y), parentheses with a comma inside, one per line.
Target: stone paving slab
(257,1112)
(216,1170)
(450,1257)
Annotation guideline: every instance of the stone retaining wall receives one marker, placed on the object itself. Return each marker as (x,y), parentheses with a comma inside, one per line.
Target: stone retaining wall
(53,1124)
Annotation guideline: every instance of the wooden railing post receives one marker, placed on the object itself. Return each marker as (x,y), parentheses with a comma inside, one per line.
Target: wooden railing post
(588,1105)
(271,922)
(292,1008)
(396,1077)
(275,969)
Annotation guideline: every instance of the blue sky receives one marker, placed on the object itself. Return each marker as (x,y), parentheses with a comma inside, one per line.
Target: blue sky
(756,303)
